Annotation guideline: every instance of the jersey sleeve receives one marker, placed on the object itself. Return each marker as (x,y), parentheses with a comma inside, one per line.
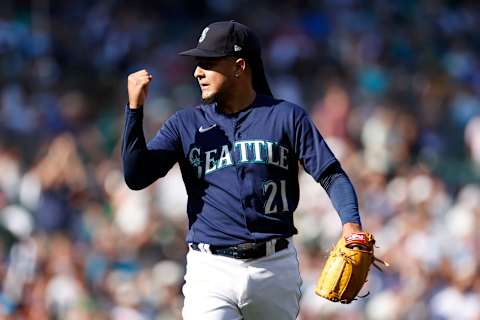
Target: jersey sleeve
(144,163)
(310,147)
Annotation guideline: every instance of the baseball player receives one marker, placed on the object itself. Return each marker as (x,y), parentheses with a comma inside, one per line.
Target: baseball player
(239,153)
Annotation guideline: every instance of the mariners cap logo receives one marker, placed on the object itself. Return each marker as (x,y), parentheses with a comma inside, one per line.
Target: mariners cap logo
(204,34)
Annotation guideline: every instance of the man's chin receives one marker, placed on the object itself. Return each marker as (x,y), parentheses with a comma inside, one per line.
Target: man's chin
(208,98)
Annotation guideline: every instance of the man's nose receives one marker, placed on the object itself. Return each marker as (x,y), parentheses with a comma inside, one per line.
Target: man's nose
(198,73)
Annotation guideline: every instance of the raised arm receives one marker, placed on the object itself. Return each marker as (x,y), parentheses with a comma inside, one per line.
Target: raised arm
(142,163)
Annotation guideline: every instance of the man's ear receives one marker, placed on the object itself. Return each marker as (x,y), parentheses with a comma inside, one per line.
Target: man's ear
(240,66)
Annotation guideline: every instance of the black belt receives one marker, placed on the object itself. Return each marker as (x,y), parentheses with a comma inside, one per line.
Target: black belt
(249,250)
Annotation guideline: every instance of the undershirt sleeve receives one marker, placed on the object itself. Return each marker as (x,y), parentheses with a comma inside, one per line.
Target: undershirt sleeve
(341,192)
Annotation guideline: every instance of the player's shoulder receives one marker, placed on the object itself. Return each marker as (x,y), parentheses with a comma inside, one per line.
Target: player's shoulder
(284,106)
(189,113)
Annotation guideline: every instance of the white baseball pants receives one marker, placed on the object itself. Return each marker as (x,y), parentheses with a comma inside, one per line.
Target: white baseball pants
(222,288)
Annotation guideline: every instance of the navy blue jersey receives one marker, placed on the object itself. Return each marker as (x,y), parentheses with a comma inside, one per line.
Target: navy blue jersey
(240,170)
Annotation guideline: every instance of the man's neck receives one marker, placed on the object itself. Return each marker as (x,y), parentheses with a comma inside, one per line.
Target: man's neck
(238,101)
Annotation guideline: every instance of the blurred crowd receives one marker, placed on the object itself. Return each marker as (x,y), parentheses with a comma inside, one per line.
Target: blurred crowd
(394,87)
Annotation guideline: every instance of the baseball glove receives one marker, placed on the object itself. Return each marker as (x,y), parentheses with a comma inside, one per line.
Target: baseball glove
(347,268)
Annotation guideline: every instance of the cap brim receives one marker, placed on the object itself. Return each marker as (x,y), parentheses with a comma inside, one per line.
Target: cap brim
(197,52)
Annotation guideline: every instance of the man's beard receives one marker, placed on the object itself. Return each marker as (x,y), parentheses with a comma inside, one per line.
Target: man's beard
(210,99)
(216,97)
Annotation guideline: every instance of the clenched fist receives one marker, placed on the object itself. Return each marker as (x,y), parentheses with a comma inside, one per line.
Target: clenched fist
(138,88)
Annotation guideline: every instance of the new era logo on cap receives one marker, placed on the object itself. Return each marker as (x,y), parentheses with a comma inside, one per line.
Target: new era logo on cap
(237,48)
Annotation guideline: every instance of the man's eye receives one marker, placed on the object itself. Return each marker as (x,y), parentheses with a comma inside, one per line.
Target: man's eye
(205,64)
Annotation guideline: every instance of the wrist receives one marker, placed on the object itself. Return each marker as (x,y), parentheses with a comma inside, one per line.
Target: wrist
(350,227)
(134,105)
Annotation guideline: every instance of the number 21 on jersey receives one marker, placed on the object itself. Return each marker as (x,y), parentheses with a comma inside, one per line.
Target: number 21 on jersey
(270,191)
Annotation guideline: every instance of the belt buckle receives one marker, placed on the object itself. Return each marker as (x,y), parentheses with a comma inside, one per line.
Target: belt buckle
(241,250)
(245,246)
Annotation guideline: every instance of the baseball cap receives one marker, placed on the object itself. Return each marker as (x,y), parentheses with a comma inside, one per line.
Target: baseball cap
(231,38)
(225,38)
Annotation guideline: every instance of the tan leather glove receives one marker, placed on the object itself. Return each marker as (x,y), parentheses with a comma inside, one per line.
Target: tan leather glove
(347,268)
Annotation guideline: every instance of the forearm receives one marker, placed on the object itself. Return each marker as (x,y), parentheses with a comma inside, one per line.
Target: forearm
(141,166)
(342,194)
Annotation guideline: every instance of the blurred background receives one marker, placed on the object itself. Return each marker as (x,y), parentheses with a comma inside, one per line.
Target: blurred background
(394,87)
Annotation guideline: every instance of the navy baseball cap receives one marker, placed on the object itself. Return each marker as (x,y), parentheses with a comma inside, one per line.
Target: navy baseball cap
(225,38)
(231,38)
